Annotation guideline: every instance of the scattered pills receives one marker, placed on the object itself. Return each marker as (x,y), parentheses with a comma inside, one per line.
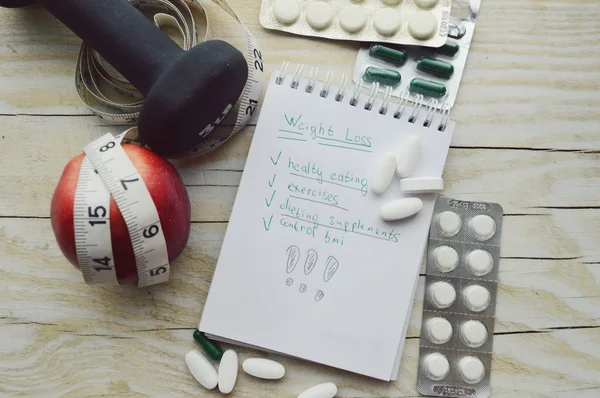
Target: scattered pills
(400,209)
(483,227)
(428,88)
(211,348)
(480,262)
(286,11)
(387,54)
(477,298)
(384,173)
(449,223)
(385,76)
(201,368)
(436,366)
(439,330)
(445,258)
(421,185)
(471,369)
(435,67)
(387,21)
(426,4)
(263,368)
(324,390)
(473,333)
(422,25)
(353,18)
(228,371)
(408,156)
(319,15)
(441,294)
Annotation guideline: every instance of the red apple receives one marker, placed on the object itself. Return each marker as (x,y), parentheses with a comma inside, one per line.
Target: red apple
(167,191)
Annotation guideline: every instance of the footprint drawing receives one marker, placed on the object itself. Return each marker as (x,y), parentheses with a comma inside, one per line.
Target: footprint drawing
(331,267)
(310,263)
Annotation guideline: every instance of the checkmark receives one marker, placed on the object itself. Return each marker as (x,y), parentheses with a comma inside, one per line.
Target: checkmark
(267,227)
(268,202)
(275,161)
(272,181)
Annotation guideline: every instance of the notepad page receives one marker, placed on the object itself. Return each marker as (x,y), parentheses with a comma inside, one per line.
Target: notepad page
(307,267)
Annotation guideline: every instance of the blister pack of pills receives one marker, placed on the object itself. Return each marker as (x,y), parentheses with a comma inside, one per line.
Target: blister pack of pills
(422,73)
(459,306)
(415,22)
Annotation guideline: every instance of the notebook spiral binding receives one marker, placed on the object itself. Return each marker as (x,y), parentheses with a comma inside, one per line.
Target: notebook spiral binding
(432,110)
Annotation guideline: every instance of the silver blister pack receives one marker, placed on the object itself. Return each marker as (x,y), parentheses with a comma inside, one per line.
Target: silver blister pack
(459,306)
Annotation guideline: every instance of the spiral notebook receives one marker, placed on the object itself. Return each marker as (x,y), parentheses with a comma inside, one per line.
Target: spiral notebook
(308,268)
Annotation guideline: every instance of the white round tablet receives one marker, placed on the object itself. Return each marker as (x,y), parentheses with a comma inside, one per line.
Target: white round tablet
(353,18)
(449,223)
(286,11)
(483,227)
(471,369)
(387,21)
(445,258)
(473,333)
(441,294)
(392,2)
(426,4)
(319,15)
(436,366)
(422,25)
(480,262)
(477,298)
(439,330)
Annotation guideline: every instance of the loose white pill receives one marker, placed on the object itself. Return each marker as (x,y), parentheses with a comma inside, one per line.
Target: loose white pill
(436,366)
(426,4)
(439,330)
(483,227)
(422,25)
(319,15)
(445,258)
(473,333)
(401,208)
(387,21)
(384,173)
(480,262)
(392,2)
(449,223)
(201,368)
(471,369)
(353,18)
(421,185)
(286,11)
(441,294)
(228,371)
(477,298)
(408,156)
(324,390)
(263,368)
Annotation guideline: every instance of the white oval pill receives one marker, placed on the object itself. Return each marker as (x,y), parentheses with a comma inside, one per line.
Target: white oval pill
(263,368)
(201,368)
(473,333)
(439,330)
(422,25)
(480,262)
(384,173)
(353,18)
(228,371)
(436,366)
(449,223)
(324,390)
(286,11)
(392,2)
(445,258)
(319,15)
(408,156)
(441,294)
(401,208)
(426,4)
(483,227)
(421,185)
(477,298)
(387,21)
(471,369)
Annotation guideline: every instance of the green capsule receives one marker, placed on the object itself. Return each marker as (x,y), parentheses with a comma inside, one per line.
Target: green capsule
(427,88)
(381,75)
(435,67)
(450,49)
(210,347)
(389,55)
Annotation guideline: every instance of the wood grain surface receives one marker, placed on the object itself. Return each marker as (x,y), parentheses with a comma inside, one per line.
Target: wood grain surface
(527,136)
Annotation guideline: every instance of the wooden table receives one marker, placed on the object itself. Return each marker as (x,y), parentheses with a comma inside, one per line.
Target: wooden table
(527,136)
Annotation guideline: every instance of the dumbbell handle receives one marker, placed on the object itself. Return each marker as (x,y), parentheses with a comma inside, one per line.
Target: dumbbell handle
(122,35)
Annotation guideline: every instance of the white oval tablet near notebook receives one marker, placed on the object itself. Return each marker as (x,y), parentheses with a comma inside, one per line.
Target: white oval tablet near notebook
(384,173)
(201,368)
(324,390)
(408,156)
(263,368)
(353,18)
(286,11)
(422,25)
(445,258)
(421,185)
(387,21)
(449,223)
(319,15)
(401,208)
(228,371)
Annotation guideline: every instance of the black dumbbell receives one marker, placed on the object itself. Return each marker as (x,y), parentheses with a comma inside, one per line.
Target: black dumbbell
(185,92)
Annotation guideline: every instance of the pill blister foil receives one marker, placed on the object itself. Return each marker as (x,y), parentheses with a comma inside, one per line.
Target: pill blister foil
(406,8)
(458,313)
